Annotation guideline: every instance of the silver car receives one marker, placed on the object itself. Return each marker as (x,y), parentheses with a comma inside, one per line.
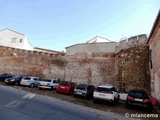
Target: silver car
(84,90)
(48,84)
(30,81)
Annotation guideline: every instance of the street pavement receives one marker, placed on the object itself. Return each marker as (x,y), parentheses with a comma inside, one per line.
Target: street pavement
(22,105)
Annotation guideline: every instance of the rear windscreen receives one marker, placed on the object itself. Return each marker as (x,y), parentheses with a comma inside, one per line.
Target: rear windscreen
(136,95)
(26,78)
(82,87)
(65,83)
(103,89)
(46,80)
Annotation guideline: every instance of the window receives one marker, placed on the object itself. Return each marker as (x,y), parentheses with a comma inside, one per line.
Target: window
(150,58)
(35,79)
(27,78)
(14,40)
(20,40)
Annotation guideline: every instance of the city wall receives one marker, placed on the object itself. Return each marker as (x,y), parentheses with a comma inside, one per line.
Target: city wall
(126,69)
(77,69)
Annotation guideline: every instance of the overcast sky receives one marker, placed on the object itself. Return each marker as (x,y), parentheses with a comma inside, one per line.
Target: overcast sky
(56,24)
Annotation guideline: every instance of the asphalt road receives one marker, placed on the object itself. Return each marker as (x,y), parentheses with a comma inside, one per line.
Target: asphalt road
(22,105)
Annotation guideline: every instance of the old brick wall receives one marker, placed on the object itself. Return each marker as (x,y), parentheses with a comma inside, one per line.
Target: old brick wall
(133,69)
(125,70)
(94,70)
(91,70)
(23,62)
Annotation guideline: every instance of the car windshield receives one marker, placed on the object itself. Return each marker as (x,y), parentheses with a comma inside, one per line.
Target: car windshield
(104,89)
(65,83)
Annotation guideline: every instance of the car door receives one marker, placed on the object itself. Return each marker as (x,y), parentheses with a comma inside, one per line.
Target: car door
(54,83)
(115,92)
(36,80)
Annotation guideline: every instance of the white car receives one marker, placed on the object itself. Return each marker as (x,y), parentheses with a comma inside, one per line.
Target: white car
(106,93)
(48,84)
(30,81)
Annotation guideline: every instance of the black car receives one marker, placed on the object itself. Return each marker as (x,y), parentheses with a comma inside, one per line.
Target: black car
(14,80)
(84,90)
(3,76)
(139,98)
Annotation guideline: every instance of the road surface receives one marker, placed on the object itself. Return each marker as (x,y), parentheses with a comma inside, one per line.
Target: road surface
(18,104)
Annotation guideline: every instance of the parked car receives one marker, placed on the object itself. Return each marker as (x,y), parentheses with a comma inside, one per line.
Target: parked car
(84,90)
(106,93)
(30,81)
(66,87)
(3,76)
(14,80)
(139,98)
(48,84)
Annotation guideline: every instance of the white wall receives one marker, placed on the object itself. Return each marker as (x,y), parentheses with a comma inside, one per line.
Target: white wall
(20,41)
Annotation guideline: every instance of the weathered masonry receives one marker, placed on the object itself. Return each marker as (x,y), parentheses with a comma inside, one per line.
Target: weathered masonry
(126,68)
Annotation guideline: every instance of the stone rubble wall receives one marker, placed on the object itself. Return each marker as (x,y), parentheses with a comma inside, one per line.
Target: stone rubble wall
(126,69)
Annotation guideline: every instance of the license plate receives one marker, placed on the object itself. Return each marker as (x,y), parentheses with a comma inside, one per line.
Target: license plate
(62,87)
(79,93)
(136,99)
(101,94)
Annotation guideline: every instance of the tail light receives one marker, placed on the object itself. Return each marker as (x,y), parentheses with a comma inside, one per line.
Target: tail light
(147,100)
(39,83)
(48,84)
(96,90)
(110,92)
(86,89)
(129,98)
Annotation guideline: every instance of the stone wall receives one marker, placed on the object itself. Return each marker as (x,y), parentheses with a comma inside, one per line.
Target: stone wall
(94,71)
(77,69)
(133,69)
(131,42)
(125,70)
(23,62)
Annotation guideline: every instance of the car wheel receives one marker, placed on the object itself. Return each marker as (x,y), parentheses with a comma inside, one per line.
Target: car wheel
(74,95)
(88,97)
(16,83)
(117,99)
(71,92)
(127,105)
(113,102)
(149,108)
(94,100)
(51,88)
(32,85)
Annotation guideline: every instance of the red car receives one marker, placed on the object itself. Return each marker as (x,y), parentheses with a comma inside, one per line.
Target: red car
(66,87)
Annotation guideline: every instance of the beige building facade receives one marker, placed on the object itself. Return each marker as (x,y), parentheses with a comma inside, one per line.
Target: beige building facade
(154,48)
(97,45)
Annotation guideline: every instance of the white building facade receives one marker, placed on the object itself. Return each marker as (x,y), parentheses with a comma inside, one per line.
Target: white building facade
(14,39)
